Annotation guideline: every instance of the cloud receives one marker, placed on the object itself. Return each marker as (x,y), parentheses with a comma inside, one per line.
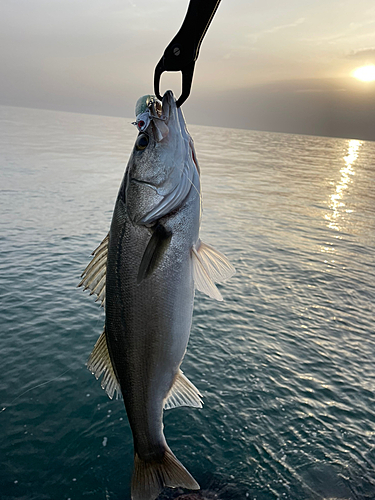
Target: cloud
(349,32)
(255,36)
(326,107)
(320,90)
(285,26)
(367,54)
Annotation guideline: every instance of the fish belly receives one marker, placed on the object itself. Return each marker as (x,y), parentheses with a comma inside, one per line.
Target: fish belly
(148,323)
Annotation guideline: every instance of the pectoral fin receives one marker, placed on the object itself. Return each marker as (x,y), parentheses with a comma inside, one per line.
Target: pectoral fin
(210,266)
(94,276)
(154,252)
(183,393)
(100,363)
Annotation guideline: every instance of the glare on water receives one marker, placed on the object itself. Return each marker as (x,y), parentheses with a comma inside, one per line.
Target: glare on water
(337,203)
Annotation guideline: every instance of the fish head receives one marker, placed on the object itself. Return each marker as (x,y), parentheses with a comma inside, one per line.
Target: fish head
(162,161)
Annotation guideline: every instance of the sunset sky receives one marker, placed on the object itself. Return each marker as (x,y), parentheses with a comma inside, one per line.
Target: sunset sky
(266,65)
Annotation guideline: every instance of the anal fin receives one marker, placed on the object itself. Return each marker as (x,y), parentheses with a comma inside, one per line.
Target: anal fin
(183,393)
(100,363)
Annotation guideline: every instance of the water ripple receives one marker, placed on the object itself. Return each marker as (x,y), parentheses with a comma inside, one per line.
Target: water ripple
(285,364)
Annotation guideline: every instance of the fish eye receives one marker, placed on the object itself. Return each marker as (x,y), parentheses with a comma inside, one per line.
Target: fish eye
(141,142)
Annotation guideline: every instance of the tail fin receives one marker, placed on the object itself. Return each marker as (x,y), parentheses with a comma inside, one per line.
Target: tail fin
(149,478)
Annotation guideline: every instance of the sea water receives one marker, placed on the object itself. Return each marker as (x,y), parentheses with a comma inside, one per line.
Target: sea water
(286,364)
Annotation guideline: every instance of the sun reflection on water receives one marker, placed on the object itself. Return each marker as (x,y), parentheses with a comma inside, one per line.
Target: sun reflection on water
(336,203)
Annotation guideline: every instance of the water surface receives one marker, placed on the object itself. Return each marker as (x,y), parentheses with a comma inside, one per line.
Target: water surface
(285,364)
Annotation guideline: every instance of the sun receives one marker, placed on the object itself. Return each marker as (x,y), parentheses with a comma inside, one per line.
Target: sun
(365,73)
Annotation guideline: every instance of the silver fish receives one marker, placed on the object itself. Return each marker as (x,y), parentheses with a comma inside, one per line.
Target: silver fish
(145,272)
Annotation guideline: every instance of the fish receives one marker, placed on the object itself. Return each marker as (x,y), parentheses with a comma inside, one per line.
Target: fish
(145,273)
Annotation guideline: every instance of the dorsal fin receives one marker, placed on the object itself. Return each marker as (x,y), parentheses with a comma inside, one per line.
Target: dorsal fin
(100,363)
(94,276)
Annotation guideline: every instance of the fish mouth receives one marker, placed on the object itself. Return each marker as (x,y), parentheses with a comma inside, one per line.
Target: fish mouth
(168,105)
(149,109)
(163,109)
